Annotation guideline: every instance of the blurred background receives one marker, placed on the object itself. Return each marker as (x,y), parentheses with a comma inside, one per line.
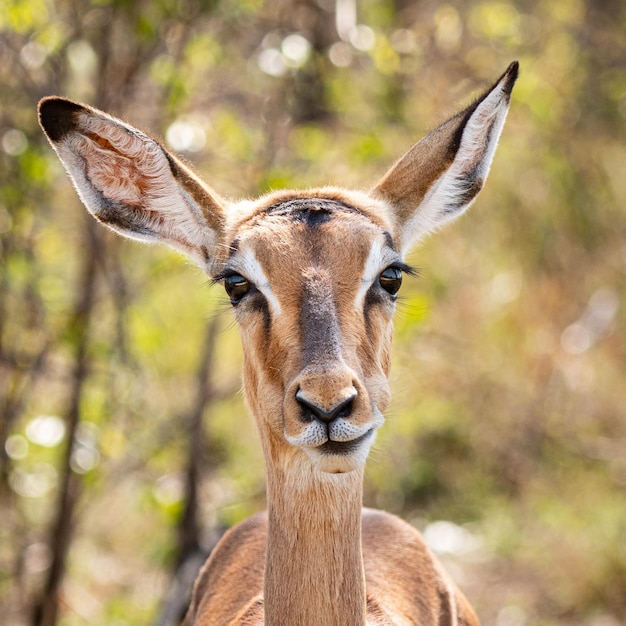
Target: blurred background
(125,448)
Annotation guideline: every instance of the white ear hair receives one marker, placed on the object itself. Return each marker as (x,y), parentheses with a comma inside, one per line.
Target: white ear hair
(130,182)
(439,178)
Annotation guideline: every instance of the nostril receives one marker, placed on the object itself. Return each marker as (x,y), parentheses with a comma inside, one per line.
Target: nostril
(345,409)
(314,411)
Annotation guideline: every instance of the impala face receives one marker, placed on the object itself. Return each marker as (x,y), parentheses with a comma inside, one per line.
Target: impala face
(312,275)
(313,283)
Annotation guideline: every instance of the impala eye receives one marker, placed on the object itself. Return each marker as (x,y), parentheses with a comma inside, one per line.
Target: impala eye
(390,280)
(236,287)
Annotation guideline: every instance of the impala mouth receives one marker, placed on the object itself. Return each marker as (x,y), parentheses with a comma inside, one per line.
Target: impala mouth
(344,447)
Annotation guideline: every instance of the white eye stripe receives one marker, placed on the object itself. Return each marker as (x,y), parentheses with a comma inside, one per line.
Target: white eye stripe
(379,258)
(249,266)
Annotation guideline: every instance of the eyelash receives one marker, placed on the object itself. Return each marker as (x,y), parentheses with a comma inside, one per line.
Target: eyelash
(239,289)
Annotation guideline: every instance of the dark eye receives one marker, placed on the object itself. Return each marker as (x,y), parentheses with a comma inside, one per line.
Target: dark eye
(390,280)
(236,287)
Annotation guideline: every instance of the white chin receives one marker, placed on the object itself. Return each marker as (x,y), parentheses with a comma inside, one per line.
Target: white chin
(332,462)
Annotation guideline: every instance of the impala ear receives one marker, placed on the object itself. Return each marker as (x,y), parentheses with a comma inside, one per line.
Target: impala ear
(131,183)
(441,175)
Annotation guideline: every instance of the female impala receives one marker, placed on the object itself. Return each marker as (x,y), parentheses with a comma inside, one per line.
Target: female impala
(312,277)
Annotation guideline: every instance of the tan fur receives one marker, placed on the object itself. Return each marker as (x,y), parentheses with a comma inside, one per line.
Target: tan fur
(316,327)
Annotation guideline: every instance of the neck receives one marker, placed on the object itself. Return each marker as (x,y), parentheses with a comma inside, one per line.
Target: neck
(313,568)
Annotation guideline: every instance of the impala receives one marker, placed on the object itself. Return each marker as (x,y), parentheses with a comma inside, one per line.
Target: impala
(312,277)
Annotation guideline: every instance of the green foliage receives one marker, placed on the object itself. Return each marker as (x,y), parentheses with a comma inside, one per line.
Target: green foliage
(508,418)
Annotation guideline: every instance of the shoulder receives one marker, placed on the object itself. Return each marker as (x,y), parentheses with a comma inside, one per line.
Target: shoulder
(384,533)
(232,577)
(406,577)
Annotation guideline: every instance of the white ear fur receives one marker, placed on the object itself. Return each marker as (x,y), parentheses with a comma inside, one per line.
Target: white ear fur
(440,177)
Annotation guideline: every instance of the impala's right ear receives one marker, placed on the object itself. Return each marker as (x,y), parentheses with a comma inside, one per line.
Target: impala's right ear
(131,183)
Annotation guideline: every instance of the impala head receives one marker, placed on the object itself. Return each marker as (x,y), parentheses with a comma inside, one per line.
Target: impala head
(312,276)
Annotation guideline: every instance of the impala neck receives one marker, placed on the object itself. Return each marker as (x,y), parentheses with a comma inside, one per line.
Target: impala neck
(313,568)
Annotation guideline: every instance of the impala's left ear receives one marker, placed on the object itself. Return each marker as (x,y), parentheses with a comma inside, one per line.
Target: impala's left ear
(441,175)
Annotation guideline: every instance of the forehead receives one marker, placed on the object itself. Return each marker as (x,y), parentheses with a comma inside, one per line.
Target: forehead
(310,231)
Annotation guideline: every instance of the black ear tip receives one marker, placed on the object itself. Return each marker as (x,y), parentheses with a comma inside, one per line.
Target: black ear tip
(513,70)
(57,116)
(510,76)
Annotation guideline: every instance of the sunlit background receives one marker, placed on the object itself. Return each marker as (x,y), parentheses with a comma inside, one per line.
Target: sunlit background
(124,444)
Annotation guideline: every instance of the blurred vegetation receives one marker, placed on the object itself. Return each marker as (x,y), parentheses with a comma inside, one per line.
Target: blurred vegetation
(124,442)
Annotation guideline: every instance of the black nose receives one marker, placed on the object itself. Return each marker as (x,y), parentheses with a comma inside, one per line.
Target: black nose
(312,411)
